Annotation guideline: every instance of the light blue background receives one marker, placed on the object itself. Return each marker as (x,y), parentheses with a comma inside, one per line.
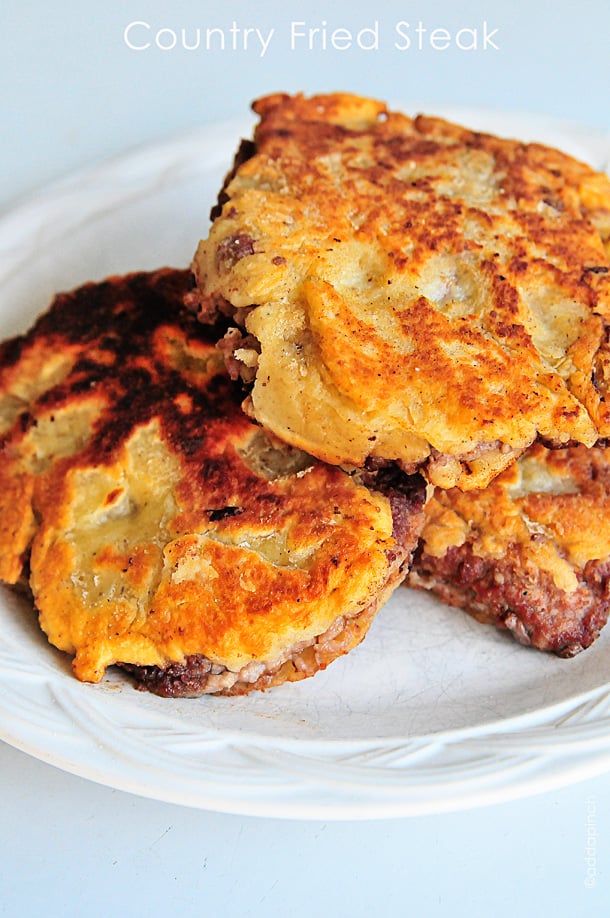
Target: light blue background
(71,92)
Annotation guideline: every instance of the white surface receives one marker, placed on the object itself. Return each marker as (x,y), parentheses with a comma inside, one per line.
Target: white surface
(71,847)
(432,713)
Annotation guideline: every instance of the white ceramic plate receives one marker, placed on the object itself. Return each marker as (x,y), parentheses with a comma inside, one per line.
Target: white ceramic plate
(432,712)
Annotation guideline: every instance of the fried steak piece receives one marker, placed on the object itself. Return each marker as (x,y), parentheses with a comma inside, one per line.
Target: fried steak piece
(408,290)
(163,530)
(530,553)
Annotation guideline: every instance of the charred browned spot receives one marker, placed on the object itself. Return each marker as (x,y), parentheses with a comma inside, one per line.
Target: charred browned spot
(519,265)
(246,151)
(223,512)
(554,202)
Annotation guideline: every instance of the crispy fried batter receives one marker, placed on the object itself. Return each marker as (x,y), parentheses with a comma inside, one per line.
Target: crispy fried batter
(531,552)
(410,290)
(166,531)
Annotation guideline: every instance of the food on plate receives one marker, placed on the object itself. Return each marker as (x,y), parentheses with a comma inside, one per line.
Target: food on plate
(161,529)
(531,552)
(391,359)
(404,290)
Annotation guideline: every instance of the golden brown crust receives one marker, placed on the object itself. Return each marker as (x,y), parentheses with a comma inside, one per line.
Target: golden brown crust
(198,676)
(423,293)
(163,523)
(531,552)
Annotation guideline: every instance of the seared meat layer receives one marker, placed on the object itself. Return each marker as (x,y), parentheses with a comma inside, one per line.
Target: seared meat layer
(531,552)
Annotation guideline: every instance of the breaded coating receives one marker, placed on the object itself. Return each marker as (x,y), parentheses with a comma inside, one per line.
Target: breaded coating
(531,552)
(407,290)
(163,530)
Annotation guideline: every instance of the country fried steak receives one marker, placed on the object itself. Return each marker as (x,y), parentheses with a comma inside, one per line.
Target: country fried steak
(406,290)
(162,530)
(389,361)
(530,553)
(198,674)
